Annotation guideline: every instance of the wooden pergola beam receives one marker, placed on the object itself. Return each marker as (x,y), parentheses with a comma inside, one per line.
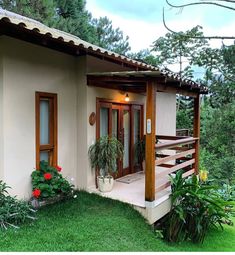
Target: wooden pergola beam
(137,84)
(124,78)
(150,141)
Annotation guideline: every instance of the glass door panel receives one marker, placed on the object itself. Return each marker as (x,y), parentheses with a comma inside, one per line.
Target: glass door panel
(115,123)
(104,121)
(126,138)
(136,131)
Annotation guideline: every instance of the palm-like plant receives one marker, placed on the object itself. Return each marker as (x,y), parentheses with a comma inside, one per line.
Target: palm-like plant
(140,150)
(195,207)
(104,155)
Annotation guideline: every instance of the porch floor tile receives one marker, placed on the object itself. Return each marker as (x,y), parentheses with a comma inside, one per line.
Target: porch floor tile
(134,192)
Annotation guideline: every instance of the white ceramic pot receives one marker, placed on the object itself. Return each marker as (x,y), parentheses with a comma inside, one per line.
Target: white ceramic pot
(105,184)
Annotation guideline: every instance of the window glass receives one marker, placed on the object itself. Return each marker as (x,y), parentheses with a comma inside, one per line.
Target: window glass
(44,155)
(44,122)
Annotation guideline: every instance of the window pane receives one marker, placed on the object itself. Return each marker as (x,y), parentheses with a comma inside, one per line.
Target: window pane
(104,123)
(126,126)
(44,155)
(115,123)
(44,122)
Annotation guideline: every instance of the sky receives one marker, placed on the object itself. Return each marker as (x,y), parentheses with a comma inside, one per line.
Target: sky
(141,20)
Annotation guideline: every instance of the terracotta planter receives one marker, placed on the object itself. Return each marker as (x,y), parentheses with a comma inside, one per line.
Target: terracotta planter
(105,184)
(36,203)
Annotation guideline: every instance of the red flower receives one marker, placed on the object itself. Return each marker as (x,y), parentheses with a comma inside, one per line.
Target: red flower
(36,193)
(47,176)
(58,168)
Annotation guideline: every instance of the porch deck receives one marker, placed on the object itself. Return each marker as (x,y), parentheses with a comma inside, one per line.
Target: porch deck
(172,153)
(134,193)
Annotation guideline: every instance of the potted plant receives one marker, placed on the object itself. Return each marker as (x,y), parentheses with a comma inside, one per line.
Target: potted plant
(48,185)
(140,152)
(104,155)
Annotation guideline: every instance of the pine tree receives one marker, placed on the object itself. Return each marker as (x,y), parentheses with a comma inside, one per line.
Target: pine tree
(41,10)
(111,38)
(72,17)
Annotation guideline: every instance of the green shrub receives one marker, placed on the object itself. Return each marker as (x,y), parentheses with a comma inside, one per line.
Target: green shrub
(196,206)
(227,192)
(47,182)
(12,211)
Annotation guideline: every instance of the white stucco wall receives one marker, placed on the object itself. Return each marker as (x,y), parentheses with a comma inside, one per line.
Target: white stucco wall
(29,68)
(166,113)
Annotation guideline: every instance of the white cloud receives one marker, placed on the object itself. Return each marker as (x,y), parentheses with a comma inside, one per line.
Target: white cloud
(142,33)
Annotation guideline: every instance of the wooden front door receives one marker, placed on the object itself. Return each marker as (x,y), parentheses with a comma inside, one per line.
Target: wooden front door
(123,121)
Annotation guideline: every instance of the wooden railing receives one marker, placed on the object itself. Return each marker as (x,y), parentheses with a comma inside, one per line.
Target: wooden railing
(174,153)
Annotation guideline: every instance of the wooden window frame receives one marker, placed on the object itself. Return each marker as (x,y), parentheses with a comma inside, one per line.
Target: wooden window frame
(52,147)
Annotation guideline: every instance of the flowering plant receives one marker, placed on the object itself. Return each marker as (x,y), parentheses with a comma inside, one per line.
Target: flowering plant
(203,175)
(47,182)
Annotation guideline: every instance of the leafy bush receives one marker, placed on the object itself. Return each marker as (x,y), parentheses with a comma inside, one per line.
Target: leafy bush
(12,211)
(195,207)
(47,182)
(218,142)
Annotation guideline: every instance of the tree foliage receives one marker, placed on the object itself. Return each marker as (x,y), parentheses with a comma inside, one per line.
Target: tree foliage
(71,16)
(41,10)
(218,114)
(145,56)
(184,113)
(218,141)
(176,48)
(110,38)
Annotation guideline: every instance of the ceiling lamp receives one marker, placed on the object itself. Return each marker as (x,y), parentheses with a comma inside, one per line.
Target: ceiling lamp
(127,99)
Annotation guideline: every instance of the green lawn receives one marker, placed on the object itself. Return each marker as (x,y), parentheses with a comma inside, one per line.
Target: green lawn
(93,223)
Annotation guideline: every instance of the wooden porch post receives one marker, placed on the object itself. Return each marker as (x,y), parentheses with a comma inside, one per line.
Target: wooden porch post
(196,131)
(150,142)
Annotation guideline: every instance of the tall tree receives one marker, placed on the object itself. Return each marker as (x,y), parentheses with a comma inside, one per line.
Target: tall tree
(41,10)
(178,48)
(111,38)
(72,17)
(145,56)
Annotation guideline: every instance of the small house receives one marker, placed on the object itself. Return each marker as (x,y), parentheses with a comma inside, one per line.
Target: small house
(58,94)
